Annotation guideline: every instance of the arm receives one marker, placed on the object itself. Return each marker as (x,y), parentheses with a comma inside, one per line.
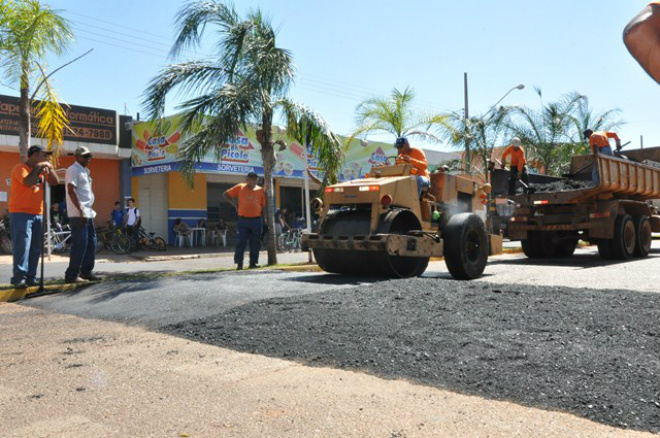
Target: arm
(33,177)
(229,199)
(71,191)
(505,155)
(615,137)
(642,38)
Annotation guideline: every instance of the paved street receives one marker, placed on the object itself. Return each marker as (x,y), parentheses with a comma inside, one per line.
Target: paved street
(100,369)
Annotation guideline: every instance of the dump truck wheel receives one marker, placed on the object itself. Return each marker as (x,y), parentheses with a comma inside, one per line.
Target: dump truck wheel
(623,244)
(528,248)
(643,236)
(466,246)
(605,249)
(566,247)
(545,244)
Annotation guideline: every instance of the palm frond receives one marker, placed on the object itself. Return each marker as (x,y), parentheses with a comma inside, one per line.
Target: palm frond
(53,122)
(309,128)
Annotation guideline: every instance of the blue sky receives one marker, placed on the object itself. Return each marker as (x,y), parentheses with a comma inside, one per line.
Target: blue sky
(346,51)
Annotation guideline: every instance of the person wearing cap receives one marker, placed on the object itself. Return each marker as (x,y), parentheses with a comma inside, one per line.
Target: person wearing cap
(417,158)
(518,164)
(250,201)
(599,142)
(79,203)
(26,208)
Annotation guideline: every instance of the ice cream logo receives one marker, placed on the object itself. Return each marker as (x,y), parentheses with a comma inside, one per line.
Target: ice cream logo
(312,157)
(155,145)
(237,150)
(378,157)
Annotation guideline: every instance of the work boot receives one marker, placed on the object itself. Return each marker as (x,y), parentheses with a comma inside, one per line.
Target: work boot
(77,280)
(254,266)
(239,266)
(90,277)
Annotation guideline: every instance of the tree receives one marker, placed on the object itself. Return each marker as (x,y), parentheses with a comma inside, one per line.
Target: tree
(245,86)
(28,32)
(549,133)
(482,132)
(394,115)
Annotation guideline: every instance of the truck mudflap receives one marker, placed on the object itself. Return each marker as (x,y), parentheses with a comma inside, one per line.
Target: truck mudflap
(404,245)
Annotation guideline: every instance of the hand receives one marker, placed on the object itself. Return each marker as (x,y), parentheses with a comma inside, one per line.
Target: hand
(406,158)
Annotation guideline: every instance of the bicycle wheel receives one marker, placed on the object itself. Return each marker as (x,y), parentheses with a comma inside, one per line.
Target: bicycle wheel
(160,244)
(121,244)
(5,244)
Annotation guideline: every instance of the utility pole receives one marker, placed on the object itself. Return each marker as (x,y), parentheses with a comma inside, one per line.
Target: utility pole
(467,122)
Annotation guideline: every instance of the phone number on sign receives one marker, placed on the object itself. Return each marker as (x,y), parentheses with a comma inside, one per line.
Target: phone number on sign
(103,134)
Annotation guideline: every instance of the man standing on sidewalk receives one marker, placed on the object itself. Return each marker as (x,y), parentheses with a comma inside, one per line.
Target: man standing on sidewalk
(26,208)
(250,201)
(79,202)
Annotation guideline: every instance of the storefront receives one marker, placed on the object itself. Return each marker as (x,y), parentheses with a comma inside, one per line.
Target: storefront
(101,130)
(164,196)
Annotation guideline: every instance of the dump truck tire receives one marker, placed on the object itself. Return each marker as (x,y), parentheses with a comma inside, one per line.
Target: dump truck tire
(528,248)
(540,245)
(605,249)
(466,246)
(624,242)
(643,235)
(566,247)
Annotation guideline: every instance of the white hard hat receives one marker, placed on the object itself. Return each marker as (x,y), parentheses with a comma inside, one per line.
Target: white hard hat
(515,141)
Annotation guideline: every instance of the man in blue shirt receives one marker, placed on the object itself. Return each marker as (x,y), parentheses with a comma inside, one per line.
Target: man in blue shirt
(117,215)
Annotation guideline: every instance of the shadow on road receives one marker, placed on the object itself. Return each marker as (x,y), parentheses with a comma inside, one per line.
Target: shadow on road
(581,261)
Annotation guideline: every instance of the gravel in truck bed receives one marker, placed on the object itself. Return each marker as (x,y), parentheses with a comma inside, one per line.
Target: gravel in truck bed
(561,186)
(592,353)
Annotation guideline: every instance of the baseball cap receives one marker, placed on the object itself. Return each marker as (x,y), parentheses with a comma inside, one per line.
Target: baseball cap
(36,148)
(252,175)
(83,150)
(400,142)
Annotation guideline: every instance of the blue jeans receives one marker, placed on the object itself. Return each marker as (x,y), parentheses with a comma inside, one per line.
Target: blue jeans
(83,248)
(422,183)
(26,230)
(248,229)
(607,150)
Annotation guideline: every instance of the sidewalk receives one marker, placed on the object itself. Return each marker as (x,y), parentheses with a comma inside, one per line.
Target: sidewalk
(141,263)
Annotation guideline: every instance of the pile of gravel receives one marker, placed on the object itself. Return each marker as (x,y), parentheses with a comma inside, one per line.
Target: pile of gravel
(593,353)
(565,185)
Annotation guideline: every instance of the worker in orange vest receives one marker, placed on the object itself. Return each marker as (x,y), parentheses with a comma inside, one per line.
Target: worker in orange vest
(417,158)
(518,164)
(599,142)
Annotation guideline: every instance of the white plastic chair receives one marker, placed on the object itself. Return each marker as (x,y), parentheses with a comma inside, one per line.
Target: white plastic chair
(181,239)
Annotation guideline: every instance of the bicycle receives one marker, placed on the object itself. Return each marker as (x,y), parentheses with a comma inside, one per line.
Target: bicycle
(290,240)
(5,238)
(150,241)
(58,241)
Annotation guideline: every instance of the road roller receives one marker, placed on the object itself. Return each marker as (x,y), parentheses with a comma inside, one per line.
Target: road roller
(379,225)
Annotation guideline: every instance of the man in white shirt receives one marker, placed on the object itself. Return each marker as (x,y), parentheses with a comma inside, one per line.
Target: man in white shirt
(132,218)
(79,203)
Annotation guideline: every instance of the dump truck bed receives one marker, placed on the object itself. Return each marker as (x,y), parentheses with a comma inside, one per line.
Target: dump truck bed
(618,177)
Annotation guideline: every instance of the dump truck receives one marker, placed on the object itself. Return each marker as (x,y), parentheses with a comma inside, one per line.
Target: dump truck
(616,214)
(379,226)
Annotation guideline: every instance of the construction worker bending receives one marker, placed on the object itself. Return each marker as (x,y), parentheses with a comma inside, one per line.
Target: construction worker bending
(599,141)
(518,164)
(417,158)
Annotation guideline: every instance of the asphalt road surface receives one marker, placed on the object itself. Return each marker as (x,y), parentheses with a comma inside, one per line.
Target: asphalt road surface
(581,337)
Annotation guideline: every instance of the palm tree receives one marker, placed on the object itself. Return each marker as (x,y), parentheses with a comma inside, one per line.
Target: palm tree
(549,133)
(245,86)
(394,115)
(587,118)
(28,32)
(482,132)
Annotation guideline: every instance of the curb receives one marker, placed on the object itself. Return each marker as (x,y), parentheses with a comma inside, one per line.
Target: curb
(10,295)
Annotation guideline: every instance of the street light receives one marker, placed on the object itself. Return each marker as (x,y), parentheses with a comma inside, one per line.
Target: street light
(517,87)
(467,116)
